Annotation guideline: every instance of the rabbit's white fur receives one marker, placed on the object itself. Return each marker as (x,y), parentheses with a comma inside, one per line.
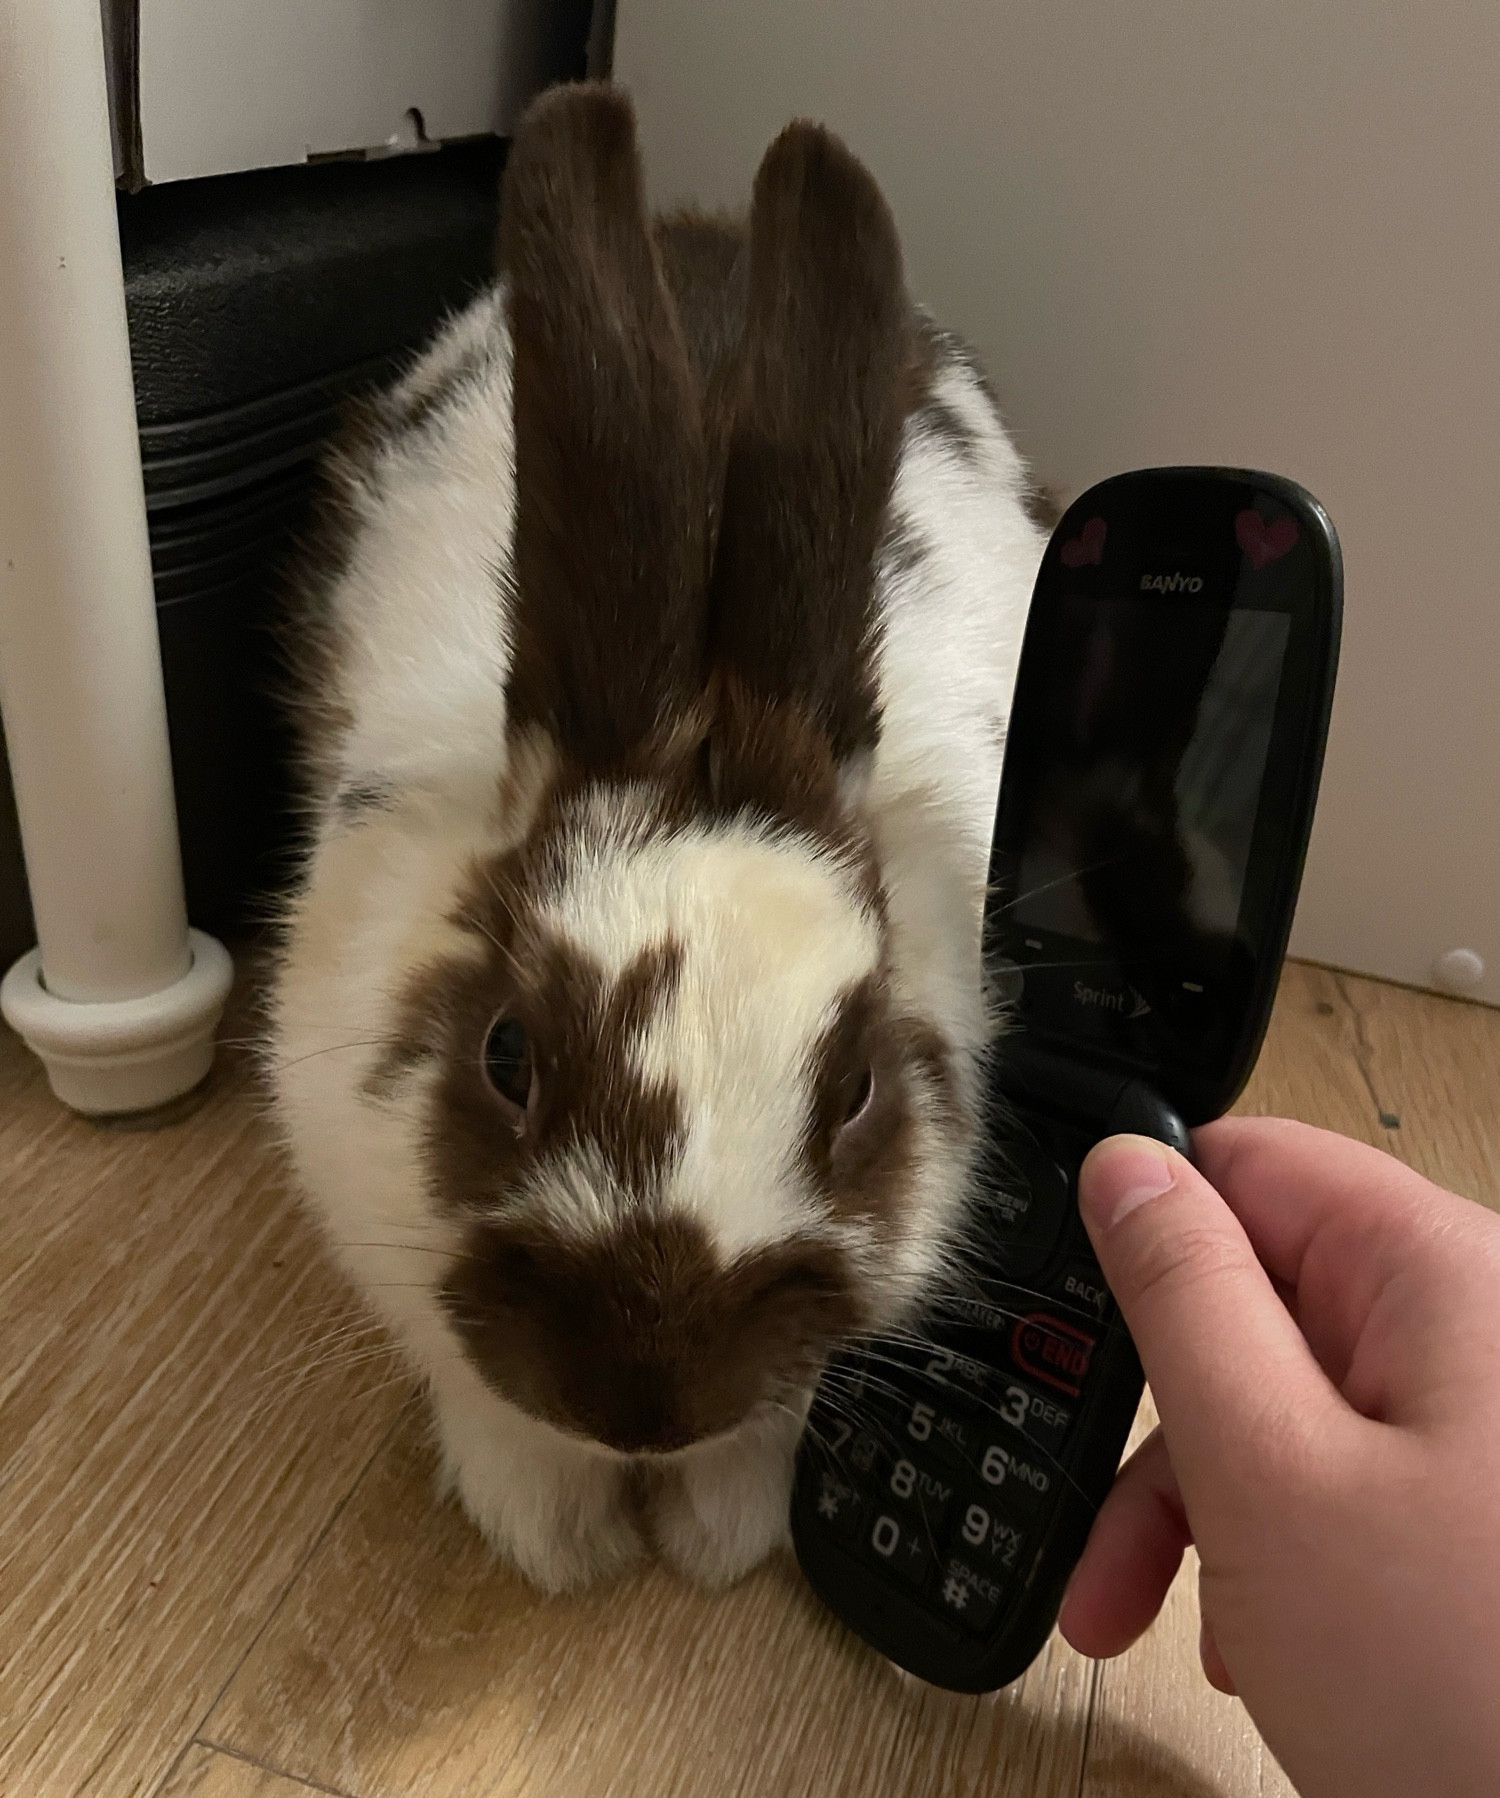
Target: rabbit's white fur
(417,749)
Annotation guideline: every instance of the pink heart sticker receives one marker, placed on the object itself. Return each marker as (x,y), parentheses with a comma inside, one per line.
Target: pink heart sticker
(1264,540)
(1087,546)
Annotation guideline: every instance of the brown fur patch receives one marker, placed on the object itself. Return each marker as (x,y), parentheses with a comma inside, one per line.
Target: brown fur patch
(903,548)
(862,1167)
(826,380)
(927,1050)
(611,548)
(1044,506)
(309,637)
(769,757)
(361,797)
(581,1027)
(639,1338)
(946,426)
(587,1028)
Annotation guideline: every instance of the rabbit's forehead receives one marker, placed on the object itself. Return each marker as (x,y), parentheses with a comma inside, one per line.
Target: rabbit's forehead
(769,934)
(756,901)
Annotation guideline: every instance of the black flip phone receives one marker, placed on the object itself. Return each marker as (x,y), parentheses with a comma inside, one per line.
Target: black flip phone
(1162,765)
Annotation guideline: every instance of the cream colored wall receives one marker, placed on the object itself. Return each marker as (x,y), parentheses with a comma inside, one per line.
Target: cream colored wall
(1188,230)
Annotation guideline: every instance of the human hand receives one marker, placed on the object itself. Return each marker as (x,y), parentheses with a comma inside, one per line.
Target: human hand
(1323,1345)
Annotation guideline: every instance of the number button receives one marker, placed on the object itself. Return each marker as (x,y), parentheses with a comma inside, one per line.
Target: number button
(850,1444)
(1040,1419)
(926,1492)
(835,1432)
(991,1538)
(1014,1469)
(940,1432)
(960,1376)
(1014,1405)
(900,1544)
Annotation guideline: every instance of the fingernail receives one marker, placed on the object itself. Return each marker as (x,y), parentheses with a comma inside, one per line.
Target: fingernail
(1119,1175)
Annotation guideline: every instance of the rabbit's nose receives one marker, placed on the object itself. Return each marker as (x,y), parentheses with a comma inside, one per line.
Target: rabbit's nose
(639,1411)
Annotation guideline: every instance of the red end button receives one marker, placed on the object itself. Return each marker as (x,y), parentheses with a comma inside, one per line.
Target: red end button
(1048,1349)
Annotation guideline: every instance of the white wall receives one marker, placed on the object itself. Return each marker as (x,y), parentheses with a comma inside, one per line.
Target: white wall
(244,84)
(1253,231)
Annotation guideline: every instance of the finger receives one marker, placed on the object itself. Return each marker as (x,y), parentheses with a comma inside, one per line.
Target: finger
(1235,1383)
(1289,1184)
(1214,1670)
(1348,1230)
(1131,1558)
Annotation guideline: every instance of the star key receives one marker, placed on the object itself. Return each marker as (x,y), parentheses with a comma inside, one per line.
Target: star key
(838,1505)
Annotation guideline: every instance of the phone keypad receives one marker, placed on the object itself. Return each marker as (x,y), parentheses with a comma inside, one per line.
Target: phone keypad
(949,1479)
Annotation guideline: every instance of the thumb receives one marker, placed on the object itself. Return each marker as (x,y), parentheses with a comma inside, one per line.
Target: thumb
(1235,1384)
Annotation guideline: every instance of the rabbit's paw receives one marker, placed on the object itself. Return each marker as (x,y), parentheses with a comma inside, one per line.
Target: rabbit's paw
(722,1508)
(561,1514)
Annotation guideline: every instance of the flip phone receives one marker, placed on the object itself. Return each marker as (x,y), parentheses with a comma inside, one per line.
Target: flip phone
(1161,769)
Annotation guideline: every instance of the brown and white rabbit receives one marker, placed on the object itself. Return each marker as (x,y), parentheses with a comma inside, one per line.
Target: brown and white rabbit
(626,1028)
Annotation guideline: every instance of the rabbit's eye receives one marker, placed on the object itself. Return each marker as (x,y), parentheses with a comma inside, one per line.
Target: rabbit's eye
(507,1061)
(860,1097)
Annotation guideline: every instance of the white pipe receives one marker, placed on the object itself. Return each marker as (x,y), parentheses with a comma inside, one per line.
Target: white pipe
(118,1000)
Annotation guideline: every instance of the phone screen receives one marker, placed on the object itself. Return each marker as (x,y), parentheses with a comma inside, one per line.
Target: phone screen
(1147,780)
(1165,741)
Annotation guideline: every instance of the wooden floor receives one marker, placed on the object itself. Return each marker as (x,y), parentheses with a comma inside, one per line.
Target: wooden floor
(223,1571)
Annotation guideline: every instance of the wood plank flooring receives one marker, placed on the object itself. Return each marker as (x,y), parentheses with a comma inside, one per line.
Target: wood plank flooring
(224,1572)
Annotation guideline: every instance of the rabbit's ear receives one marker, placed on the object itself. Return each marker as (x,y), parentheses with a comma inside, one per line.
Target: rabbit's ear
(826,374)
(611,544)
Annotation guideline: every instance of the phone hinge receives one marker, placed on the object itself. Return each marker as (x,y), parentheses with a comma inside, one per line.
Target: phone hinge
(1108,1099)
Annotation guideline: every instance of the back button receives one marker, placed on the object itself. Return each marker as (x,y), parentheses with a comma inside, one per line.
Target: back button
(1080,1286)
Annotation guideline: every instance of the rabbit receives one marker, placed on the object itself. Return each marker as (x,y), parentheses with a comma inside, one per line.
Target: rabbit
(627,1019)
